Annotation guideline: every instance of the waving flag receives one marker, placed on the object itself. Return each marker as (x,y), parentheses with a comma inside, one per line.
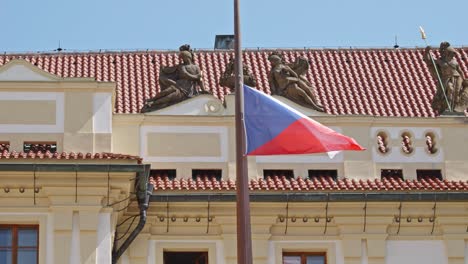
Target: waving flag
(274,128)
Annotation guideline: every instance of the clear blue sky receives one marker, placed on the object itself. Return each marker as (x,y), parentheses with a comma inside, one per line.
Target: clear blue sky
(38,25)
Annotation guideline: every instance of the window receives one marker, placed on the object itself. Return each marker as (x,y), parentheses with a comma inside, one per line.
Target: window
(304,258)
(186,257)
(4,146)
(171,174)
(391,174)
(428,174)
(207,174)
(323,174)
(288,174)
(40,146)
(19,244)
(406,143)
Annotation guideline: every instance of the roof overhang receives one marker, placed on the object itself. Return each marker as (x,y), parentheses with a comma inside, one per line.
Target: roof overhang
(302,197)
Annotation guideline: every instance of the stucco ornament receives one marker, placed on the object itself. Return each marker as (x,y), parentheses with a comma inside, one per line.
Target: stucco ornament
(454,87)
(228,78)
(178,83)
(289,80)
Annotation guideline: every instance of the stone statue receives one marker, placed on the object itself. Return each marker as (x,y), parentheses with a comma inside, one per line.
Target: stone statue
(228,79)
(289,80)
(177,83)
(452,77)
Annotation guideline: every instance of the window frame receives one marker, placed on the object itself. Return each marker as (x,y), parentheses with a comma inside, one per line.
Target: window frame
(14,240)
(429,173)
(171,173)
(217,173)
(287,173)
(304,255)
(5,143)
(332,173)
(203,254)
(40,143)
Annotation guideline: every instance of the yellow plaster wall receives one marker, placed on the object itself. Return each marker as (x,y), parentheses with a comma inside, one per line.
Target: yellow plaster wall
(183,144)
(28,112)
(126,138)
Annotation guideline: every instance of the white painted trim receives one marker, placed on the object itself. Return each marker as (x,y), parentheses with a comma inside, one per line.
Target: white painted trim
(59,99)
(222,131)
(419,155)
(307,243)
(153,245)
(185,241)
(466,251)
(396,155)
(22,73)
(104,239)
(124,259)
(102,113)
(75,250)
(364,258)
(50,238)
(271,253)
(220,258)
(416,251)
(151,259)
(321,158)
(24,214)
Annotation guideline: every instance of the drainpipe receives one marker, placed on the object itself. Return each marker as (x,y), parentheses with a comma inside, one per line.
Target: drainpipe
(144,191)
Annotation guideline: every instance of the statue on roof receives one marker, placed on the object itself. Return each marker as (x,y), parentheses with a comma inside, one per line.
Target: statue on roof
(289,80)
(452,89)
(178,83)
(228,79)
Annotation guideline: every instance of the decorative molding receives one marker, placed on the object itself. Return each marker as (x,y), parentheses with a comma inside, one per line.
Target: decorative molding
(222,131)
(59,99)
(23,71)
(102,113)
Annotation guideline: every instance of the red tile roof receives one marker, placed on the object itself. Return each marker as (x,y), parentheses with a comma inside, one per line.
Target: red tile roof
(380,82)
(303,185)
(5,155)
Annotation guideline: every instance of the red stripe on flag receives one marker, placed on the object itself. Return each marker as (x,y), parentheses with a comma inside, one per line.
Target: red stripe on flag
(305,137)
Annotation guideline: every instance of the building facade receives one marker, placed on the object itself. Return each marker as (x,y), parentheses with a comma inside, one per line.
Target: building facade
(66,197)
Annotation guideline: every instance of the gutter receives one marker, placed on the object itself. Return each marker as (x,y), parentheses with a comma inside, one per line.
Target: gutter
(71,167)
(143,189)
(300,197)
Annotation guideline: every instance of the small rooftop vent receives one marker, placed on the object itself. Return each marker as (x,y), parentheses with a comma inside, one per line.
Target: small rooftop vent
(224,42)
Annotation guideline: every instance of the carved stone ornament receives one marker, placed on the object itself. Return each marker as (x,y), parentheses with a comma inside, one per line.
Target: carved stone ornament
(178,83)
(454,87)
(228,78)
(289,80)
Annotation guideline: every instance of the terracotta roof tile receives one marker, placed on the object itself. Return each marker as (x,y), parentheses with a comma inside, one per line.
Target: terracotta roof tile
(326,184)
(5,155)
(380,82)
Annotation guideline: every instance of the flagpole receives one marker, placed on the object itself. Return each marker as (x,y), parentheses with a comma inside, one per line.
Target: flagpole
(244,239)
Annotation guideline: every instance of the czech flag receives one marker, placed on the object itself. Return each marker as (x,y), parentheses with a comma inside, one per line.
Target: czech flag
(274,128)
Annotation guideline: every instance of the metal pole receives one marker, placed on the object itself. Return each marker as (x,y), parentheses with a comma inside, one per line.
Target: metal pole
(244,240)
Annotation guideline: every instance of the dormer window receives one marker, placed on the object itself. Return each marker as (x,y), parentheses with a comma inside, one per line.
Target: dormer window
(288,174)
(31,146)
(317,174)
(391,174)
(428,174)
(170,174)
(210,173)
